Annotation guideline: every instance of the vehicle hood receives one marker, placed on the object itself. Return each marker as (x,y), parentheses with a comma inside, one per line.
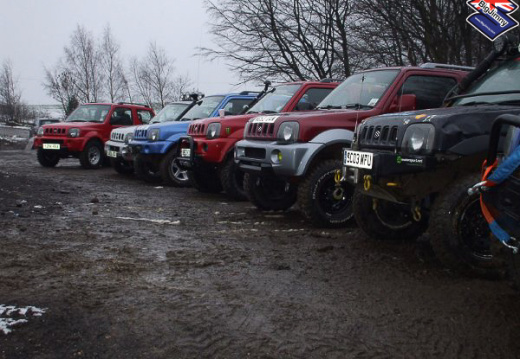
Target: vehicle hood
(166,129)
(453,125)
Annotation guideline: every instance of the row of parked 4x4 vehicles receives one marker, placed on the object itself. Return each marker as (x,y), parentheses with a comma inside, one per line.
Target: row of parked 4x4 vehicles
(366,149)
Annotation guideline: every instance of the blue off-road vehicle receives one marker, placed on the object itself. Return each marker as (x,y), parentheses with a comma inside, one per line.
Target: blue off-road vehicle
(154,147)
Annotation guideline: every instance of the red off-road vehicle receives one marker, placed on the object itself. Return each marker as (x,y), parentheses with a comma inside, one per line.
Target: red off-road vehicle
(207,152)
(85,131)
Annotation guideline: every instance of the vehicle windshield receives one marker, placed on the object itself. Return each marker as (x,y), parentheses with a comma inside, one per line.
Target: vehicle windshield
(504,78)
(170,112)
(204,110)
(360,90)
(275,100)
(89,113)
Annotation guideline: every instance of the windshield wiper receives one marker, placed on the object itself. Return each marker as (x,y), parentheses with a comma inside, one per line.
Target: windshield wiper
(329,107)
(357,106)
(269,111)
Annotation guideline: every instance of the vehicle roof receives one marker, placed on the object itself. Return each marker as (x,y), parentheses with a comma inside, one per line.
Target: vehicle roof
(118,104)
(416,68)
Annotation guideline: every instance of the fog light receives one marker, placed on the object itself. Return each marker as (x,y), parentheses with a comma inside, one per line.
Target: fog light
(276,156)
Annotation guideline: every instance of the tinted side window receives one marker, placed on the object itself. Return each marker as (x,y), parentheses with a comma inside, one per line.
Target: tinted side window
(236,106)
(144,116)
(311,99)
(122,116)
(430,90)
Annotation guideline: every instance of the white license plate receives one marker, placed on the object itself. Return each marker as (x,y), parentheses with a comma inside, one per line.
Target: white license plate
(112,154)
(358,159)
(51,146)
(185,152)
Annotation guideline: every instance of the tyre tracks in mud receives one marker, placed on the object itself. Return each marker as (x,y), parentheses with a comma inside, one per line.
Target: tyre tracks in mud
(200,276)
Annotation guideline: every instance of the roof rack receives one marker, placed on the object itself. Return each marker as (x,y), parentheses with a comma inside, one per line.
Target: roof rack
(133,103)
(434,65)
(249,93)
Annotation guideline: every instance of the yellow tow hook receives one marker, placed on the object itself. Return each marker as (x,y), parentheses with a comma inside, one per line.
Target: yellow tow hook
(367,182)
(338,192)
(416,213)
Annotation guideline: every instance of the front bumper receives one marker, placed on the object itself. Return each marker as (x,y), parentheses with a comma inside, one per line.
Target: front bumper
(287,160)
(118,150)
(387,164)
(203,152)
(148,148)
(68,146)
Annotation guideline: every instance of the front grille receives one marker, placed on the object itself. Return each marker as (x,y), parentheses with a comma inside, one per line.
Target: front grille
(196,129)
(258,153)
(378,136)
(55,131)
(260,131)
(141,134)
(118,137)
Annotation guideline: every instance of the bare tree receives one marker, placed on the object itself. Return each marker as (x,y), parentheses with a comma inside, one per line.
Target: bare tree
(112,67)
(157,71)
(83,62)
(286,39)
(10,95)
(182,85)
(142,88)
(413,32)
(60,85)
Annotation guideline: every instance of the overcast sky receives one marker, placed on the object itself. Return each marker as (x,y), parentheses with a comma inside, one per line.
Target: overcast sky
(33,34)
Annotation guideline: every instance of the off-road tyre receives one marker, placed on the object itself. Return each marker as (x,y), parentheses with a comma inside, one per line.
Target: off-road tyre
(121,166)
(47,158)
(513,266)
(146,170)
(92,156)
(384,220)
(232,180)
(459,234)
(269,193)
(321,201)
(171,173)
(205,181)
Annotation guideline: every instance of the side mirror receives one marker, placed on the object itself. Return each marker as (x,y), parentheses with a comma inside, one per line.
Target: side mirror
(403,103)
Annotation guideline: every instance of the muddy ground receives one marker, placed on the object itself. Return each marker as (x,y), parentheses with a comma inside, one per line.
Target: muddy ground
(128,270)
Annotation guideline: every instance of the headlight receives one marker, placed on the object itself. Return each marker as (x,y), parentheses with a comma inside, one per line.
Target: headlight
(128,137)
(40,131)
(213,131)
(288,131)
(153,134)
(419,139)
(74,132)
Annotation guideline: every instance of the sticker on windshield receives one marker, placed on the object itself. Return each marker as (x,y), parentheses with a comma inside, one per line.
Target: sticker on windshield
(265,119)
(373,102)
(492,18)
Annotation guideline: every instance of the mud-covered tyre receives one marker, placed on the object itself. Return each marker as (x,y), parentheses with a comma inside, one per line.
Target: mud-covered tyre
(232,180)
(269,193)
(459,234)
(384,220)
(121,166)
(146,170)
(205,181)
(171,173)
(323,202)
(92,155)
(47,158)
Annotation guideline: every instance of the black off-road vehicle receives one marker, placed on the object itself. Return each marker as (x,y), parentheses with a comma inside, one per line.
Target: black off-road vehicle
(412,170)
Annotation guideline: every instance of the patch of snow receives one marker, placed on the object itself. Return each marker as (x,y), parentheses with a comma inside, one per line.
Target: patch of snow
(158,221)
(7,322)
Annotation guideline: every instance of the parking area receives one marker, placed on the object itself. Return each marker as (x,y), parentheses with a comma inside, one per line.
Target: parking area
(121,269)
